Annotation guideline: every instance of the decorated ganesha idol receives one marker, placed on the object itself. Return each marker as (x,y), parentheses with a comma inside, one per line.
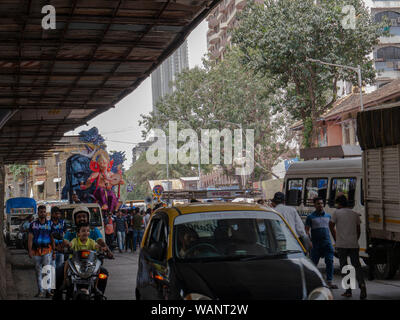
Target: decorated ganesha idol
(105,179)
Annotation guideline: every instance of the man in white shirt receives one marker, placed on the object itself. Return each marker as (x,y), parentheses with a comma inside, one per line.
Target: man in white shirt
(345,229)
(291,216)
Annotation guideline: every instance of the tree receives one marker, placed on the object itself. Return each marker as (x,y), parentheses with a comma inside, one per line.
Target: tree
(277,37)
(141,172)
(226,95)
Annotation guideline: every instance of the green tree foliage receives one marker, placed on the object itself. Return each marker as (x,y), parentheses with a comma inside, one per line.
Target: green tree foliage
(19,170)
(141,172)
(226,95)
(277,37)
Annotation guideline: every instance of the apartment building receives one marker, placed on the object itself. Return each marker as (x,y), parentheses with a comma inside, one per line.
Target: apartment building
(220,21)
(387,53)
(165,74)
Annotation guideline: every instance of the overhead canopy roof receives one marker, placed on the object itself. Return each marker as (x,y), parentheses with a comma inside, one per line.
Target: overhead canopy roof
(53,81)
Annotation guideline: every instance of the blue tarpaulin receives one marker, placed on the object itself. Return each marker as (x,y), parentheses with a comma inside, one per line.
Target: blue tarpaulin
(22,202)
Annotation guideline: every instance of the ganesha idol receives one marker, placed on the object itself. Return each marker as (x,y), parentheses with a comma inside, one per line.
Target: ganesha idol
(105,179)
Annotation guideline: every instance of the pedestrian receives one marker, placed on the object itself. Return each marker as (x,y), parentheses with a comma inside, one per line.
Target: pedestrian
(146,217)
(58,226)
(345,228)
(318,223)
(121,229)
(138,228)
(41,249)
(291,216)
(129,235)
(109,230)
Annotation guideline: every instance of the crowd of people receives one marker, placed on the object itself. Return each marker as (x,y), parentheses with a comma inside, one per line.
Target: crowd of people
(343,225)
(126,228)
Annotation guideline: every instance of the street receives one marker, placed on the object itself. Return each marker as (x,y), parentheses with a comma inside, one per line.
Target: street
(122,279)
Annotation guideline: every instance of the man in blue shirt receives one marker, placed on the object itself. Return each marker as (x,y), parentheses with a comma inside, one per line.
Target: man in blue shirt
(41,249)
(57,226)
(318,223)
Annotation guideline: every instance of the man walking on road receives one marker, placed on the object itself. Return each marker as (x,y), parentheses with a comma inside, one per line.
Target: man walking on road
(318,223)
(138,228)
(346,235)
(291,216)
(121,228)
(41,249)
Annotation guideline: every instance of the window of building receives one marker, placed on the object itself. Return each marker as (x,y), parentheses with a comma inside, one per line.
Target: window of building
(57,187)
(294,189)
(41,188)
(391,16)
(388,53)
(315,187)
(346,186)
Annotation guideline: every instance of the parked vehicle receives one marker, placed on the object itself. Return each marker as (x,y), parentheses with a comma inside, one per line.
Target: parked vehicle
(224,251)
(17,210)
(381,163)
(305,180)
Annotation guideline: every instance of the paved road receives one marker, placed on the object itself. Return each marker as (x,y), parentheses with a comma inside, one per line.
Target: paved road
(122,280)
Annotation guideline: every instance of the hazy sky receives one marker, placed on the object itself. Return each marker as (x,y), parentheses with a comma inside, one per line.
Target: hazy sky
(119,126)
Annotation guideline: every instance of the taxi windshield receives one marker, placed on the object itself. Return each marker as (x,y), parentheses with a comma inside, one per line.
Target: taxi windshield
(232,235)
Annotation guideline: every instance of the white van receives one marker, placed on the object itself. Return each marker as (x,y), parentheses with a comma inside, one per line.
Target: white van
(96,218)
(306,180)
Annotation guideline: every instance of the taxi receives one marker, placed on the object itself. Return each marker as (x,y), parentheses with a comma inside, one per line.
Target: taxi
(219,251)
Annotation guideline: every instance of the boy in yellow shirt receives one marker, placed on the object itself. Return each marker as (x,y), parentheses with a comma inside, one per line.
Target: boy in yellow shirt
(81,242)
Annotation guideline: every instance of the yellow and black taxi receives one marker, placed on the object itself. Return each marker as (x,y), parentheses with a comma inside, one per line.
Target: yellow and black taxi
(224,251)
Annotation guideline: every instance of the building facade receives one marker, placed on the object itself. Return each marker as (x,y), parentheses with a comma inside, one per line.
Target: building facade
(46,177)
(220,21)
(387,53)
(166,73)
(338,126)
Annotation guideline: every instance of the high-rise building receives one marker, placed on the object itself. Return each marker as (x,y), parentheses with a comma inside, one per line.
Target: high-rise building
(220,21)
(387,53)
(165,74)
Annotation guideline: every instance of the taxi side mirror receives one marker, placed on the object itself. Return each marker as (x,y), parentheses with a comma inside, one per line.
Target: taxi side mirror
(156,251)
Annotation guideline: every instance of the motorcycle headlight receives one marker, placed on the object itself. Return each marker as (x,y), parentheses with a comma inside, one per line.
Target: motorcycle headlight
(196,296)
(84,271)
(321,293)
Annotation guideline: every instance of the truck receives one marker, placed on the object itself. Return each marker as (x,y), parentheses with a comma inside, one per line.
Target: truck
(379,138)
(17,211)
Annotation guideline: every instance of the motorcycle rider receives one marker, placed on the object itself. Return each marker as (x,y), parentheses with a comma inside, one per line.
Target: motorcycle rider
(81,215)
(81,242)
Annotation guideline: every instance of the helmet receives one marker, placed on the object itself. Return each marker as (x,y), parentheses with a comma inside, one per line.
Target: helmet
(79,210)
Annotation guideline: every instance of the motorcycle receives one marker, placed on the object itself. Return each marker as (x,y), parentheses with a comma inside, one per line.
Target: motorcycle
(82,276)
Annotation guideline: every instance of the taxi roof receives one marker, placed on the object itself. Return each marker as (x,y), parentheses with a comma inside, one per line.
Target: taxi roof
(212,207)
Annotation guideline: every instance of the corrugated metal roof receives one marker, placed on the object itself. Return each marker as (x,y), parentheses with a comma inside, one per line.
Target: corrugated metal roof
(53,81)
